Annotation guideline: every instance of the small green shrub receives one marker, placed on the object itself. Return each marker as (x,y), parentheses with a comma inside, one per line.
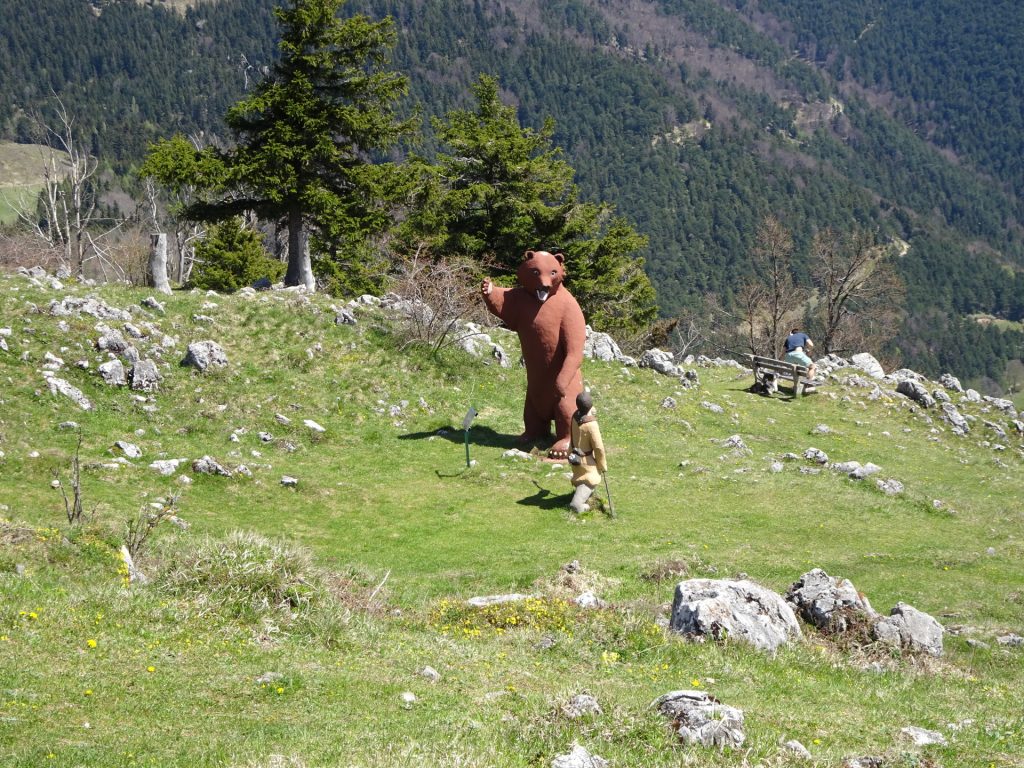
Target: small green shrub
(359,269)
(231,257)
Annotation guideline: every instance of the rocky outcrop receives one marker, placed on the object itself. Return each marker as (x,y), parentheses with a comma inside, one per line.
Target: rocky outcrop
(916,392)
(951,382)
(74,394)
(660,361)
(474,340)
(207,465)
(579,757)
(601,346)
(145,377)
(113,373)
(203,355)
(910,629)
(71,306)
(956,420)
(734,610)
(868,364)
(699,718)
(828,602)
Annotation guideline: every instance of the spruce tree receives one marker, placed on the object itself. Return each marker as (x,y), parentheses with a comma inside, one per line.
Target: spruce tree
(231,257)
(305,137)
(498,189)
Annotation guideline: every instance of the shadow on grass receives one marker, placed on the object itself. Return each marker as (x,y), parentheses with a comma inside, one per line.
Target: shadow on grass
(545,499)
(785,394)
(482,436)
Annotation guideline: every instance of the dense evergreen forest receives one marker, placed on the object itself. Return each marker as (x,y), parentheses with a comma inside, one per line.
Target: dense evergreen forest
(957,70)
(695,118)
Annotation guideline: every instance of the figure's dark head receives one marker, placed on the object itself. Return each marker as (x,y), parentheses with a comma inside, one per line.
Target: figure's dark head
(584,402)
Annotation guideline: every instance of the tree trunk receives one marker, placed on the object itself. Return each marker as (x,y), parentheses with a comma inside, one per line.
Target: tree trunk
(300,267)
(158,263)
(307,279)
(180,242)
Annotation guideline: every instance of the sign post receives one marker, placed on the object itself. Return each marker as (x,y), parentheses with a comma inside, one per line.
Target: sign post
(466,423)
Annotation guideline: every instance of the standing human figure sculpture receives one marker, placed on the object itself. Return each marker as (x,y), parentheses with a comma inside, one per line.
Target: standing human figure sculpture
(552,333)
(587,456)
(798,345)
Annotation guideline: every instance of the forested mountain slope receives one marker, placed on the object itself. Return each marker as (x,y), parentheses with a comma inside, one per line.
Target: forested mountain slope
(956,72)
(695,118)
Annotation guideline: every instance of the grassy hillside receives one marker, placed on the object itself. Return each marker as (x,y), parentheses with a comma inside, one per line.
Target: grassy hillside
(695,118)
(21,177)
(14,199)
(292,644)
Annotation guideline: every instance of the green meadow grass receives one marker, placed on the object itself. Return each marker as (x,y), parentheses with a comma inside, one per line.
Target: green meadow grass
(388,532)
(14,199)
(21,177)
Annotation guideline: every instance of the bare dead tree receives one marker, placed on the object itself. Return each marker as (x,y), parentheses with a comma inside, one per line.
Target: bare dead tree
(714,329)
(752,300)
(102,250)
(69,199)
(688,334)
(859,293)
(164,208)
(781,299)
(442,294)
(246,67)
(20,248)
(137,530)
(70,225)
(74,509)
(156,271)
(151,203)
(149,215)
(186,233)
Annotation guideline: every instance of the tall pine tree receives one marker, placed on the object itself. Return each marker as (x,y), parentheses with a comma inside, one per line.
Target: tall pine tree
(498,189)
(305,137)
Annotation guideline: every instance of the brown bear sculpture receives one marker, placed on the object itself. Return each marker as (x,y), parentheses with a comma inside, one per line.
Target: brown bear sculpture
(552,333)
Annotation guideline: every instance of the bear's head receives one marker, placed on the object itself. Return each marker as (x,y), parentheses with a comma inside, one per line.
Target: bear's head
(541,273)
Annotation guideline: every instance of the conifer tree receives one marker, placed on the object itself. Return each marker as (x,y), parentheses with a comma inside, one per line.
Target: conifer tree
(498,189)
(304,138)
(231,257)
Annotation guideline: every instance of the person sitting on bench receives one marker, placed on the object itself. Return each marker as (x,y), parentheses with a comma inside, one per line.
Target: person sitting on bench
(798,344)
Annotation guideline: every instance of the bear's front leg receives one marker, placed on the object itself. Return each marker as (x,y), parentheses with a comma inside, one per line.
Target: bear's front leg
(494,298)
(536,421)
(564,410)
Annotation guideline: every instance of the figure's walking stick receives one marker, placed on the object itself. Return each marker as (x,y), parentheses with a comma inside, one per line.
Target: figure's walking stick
(608,491)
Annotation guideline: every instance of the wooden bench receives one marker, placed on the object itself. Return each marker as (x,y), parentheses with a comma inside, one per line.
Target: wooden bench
(792,371)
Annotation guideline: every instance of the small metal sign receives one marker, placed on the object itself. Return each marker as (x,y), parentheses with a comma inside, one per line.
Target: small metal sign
(466,422)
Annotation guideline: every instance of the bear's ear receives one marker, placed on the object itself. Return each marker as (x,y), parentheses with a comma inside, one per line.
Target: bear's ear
(560,257)
(529,255)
